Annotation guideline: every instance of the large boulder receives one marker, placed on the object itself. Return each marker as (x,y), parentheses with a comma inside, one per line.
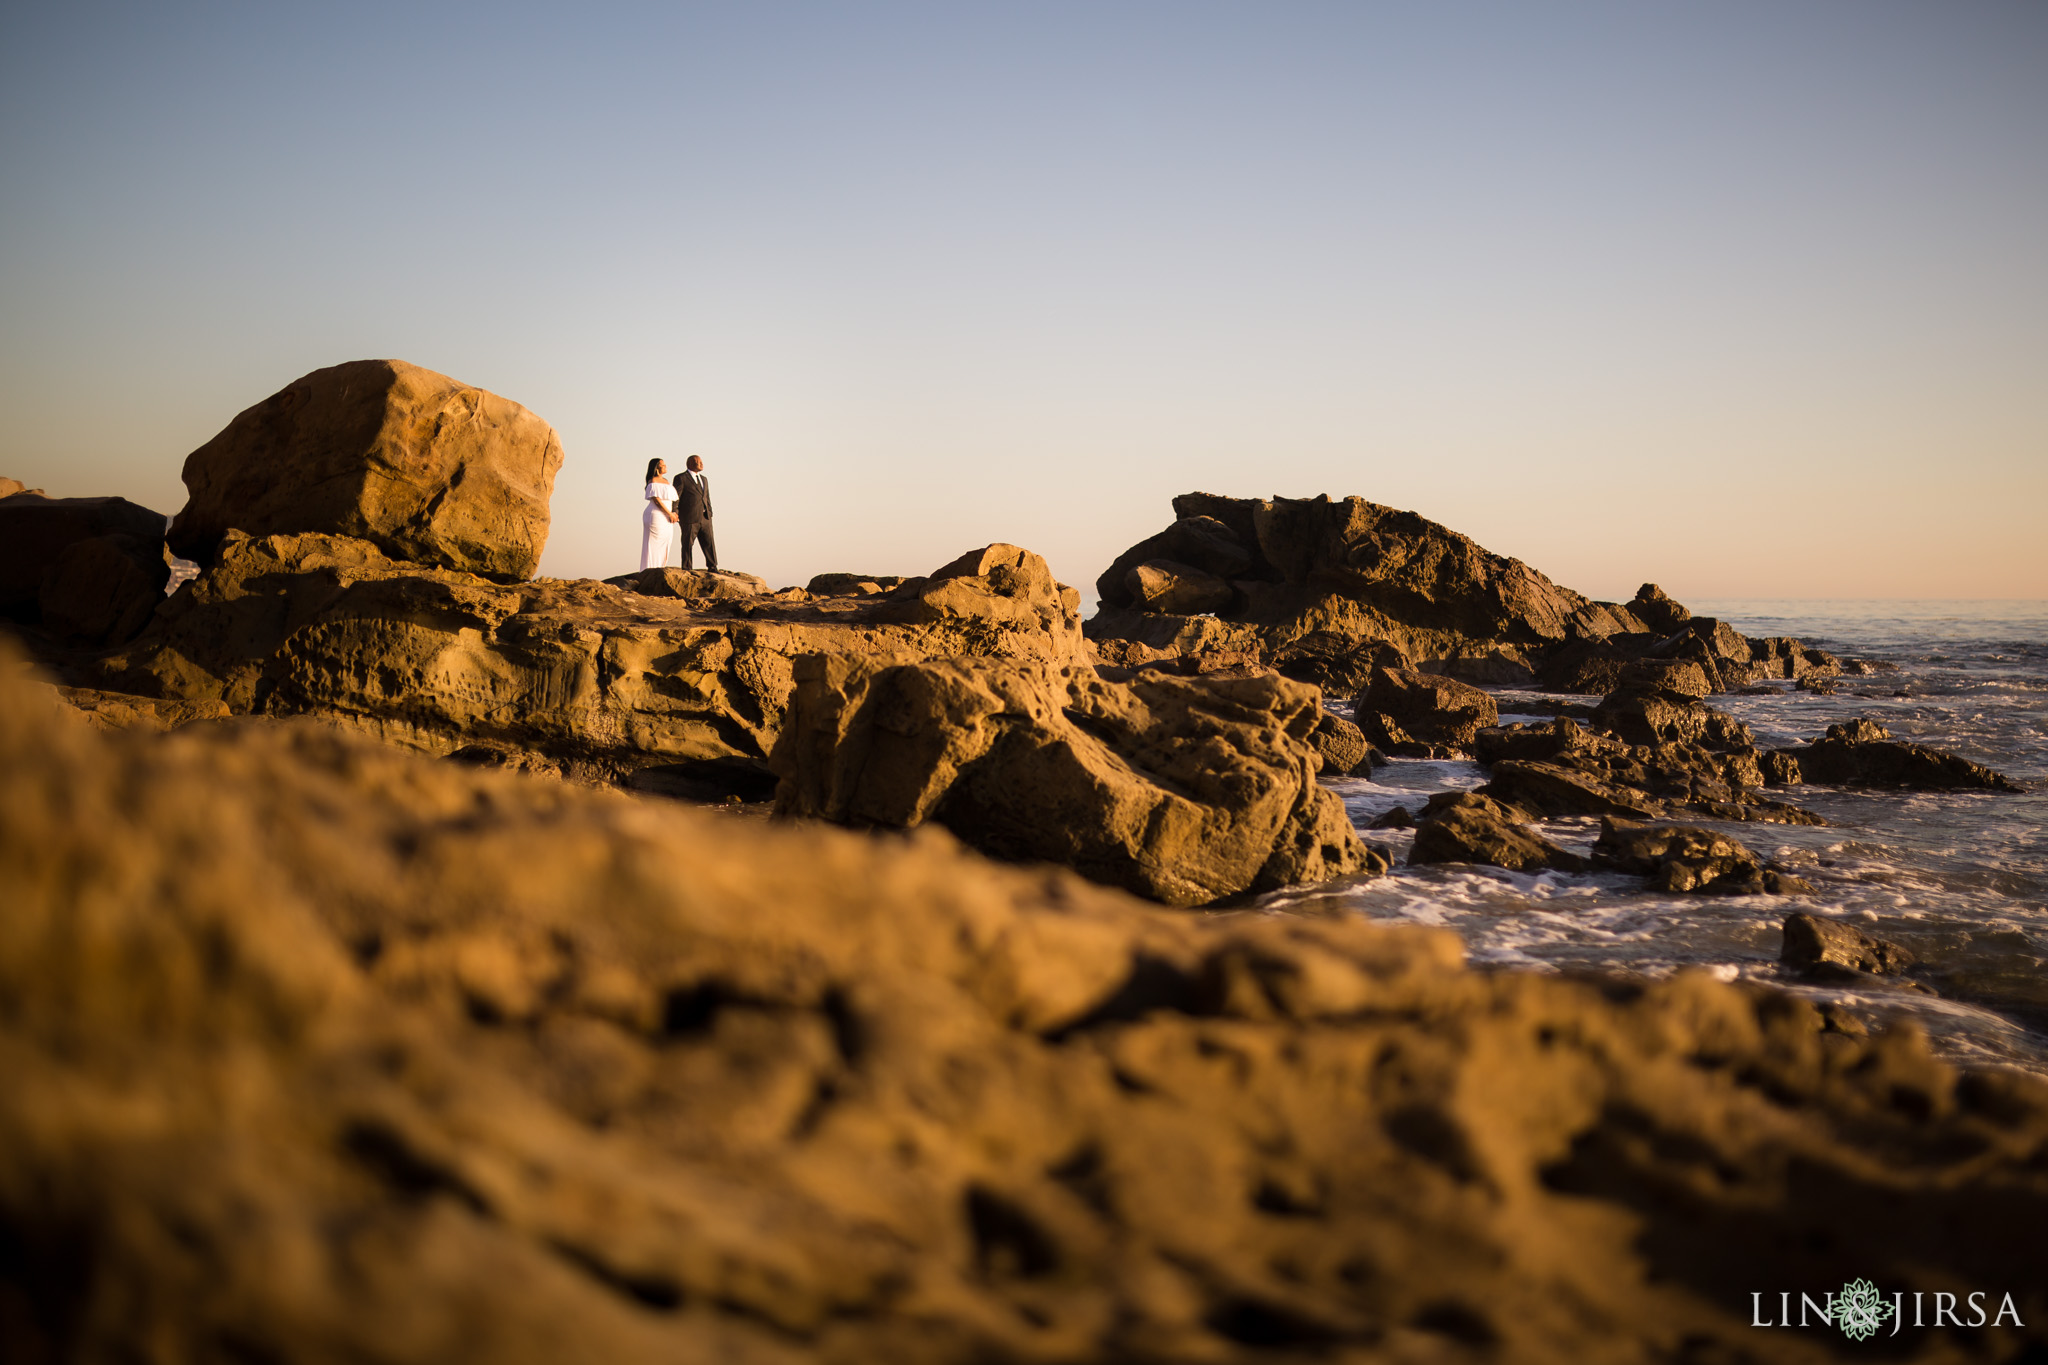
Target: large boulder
(1652,714)
(317,1051)
(429,470)
(35,531)
(1423,714)
(1183,790)
(1163,585)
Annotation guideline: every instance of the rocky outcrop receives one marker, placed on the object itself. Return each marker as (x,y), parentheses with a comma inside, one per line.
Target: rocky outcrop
(96,564)
(1422,715)
(580,678)
(1862,753)
(1811,942)
(1652,715)
(1186,791)
(1327,591)
(1561,769)
(692,585)
(317,1051)
(9,487)
(1464,827)
(427,469)
(1309,584)
(1687,858)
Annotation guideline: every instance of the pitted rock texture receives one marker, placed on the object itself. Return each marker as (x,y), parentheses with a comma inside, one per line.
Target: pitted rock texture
(316,1051)
(575,677)
(429,470)
(1186,791)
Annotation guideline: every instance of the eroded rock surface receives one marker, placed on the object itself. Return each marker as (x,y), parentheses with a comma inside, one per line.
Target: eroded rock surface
(1811,942)
(1186,791)
(316,1051)
(427,469)
(577,677)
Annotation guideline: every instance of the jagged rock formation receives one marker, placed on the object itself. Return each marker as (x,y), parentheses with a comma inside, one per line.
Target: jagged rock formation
(1561,768)
(1422,715)
(1687,858)
(1863,753)
(1187,791)
(1326,591)
(319,1051)
(1812,943)
(582,678)
(88,570)
(427,469)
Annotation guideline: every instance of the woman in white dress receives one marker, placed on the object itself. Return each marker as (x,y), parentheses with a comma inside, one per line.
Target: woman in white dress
(658,521)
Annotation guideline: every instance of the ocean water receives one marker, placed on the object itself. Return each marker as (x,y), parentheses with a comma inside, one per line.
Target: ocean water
(1961,879)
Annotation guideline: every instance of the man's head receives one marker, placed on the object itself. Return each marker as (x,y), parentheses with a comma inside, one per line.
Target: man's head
(696,464)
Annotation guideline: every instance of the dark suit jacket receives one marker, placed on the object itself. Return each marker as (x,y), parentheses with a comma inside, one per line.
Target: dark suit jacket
(693,504)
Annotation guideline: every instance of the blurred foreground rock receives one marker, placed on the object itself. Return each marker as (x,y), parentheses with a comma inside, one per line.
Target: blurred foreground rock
(316,1051)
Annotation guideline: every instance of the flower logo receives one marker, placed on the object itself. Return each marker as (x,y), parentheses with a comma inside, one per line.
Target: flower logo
(1860,1310)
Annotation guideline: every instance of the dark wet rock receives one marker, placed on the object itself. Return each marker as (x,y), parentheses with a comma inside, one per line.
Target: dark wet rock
(1685,858)
(1820,684)
(1539,742)
(1463,827)
(1186,791)
(1341,746)
(1810,941)
(1780,657)
(1550,790)
(692,585)
(1862,753)
(1779,768)
(1849,978)
(35,532)
(1592,667)
(1400,817)
(1422,714)
(1653,715)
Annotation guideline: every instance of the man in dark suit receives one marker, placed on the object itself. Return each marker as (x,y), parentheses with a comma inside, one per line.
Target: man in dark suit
(693,512)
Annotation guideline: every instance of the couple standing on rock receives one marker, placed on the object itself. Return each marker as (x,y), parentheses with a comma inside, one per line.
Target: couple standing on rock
(686,503)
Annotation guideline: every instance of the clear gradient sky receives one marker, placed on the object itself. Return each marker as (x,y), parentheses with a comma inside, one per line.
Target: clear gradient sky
(1747,297)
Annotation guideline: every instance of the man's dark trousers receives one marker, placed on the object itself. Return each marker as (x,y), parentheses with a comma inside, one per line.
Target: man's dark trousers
(693,510)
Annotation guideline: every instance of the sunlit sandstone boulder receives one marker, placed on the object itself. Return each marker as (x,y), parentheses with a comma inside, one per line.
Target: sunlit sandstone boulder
(1184,790)
(426,468)
(316,1051)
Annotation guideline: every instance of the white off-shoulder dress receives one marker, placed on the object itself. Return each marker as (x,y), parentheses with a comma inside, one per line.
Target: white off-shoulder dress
(655,528)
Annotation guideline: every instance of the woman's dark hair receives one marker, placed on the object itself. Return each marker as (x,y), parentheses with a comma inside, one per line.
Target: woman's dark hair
(650,469)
